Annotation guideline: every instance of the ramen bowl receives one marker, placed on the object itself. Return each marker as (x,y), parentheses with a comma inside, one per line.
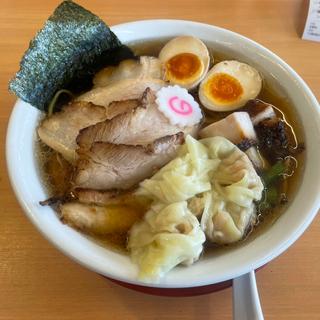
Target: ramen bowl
(211,272)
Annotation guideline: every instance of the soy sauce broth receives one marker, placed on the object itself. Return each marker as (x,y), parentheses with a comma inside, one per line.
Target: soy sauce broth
(52,166)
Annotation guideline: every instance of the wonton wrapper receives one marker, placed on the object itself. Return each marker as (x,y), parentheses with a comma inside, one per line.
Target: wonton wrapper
(183,177)
(223,174)
(167,236)
(225,222)
(229,209)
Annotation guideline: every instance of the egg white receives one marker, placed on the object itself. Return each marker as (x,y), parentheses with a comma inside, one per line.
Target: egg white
(248,77)
(186,44)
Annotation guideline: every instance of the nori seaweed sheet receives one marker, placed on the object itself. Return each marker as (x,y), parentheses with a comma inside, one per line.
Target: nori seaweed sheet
(73,45)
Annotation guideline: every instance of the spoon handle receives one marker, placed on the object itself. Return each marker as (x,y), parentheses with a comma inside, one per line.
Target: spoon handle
(246,303)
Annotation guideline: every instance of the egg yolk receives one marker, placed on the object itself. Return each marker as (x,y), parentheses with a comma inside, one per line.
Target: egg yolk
(183,66)
(223,87)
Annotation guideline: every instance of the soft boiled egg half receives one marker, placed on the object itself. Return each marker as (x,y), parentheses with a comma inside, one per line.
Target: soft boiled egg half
(185,61)
(229,85)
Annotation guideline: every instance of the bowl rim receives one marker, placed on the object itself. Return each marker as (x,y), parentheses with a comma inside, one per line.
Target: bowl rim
(237,271)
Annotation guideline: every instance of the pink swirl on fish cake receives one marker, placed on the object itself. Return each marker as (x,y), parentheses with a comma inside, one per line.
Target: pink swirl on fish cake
(183,108)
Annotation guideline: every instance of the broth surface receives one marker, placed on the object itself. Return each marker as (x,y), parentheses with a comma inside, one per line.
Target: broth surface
(56,171)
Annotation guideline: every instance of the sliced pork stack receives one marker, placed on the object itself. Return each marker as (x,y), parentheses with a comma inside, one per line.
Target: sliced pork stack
(61,129)
(140,126)
(113,146)
(123,89)
(118,166)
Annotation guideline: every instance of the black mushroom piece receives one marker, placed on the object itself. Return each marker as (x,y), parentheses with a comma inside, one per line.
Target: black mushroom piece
(272,133)
(246,144)
(273,137)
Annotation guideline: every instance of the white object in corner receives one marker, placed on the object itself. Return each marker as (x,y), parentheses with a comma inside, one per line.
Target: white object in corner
(312,26)
(246,302)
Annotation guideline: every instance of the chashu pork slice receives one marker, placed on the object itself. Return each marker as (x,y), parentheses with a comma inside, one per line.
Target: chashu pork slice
(140,126)
(235,127)
(116,108)
(123,89)
(100,220)
(107,166)
(100,197)
(145,67)
(60,130)
(259,111)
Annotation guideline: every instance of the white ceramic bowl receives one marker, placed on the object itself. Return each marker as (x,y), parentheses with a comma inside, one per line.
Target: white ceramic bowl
(26,182)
